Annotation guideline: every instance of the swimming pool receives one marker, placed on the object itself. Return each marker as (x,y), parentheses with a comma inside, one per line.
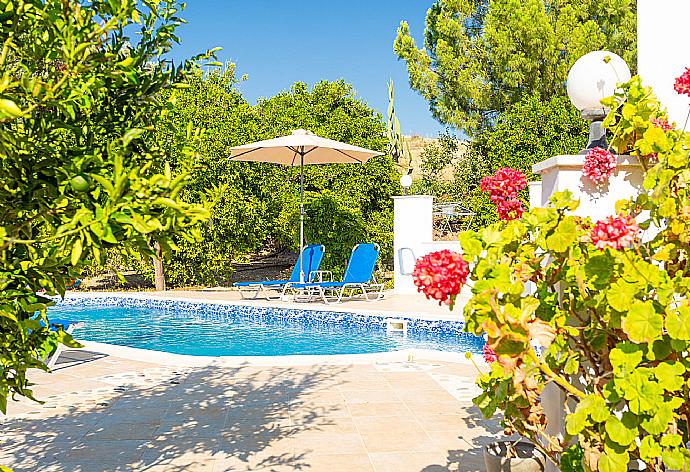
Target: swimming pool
(208,329)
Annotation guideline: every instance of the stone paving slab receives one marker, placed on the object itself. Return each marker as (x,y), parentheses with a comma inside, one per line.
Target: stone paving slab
(103,413)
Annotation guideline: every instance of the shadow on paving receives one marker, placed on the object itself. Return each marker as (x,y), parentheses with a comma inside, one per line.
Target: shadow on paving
(472,459)
(77,357)
(238,418)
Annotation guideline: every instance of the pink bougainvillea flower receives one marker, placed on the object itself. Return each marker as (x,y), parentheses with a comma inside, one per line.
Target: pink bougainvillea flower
(615,232)
(503,188)
(489,354)
(682,85)
(599,165)
(440,275)
(662,123)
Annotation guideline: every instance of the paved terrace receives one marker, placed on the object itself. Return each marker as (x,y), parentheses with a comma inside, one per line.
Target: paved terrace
(104,413)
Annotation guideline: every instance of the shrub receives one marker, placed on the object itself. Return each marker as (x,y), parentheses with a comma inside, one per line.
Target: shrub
(609,308)
(77,101)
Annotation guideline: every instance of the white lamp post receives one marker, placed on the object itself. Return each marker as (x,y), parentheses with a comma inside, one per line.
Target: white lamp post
(406,183)
(593,77)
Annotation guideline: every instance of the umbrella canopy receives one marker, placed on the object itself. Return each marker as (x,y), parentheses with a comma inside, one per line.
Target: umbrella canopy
(302,148)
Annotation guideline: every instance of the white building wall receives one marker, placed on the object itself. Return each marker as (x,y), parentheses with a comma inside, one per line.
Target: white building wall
(663,52)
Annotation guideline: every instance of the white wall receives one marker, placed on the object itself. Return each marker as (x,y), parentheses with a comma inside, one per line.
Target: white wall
(663,52)
(412,226)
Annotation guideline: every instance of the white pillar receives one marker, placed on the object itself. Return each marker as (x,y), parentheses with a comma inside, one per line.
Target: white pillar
(412,226)
(565,173)
(561,173)
(534,194)
(662,51)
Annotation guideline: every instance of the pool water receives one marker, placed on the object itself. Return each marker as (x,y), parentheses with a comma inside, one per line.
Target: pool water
(199,334)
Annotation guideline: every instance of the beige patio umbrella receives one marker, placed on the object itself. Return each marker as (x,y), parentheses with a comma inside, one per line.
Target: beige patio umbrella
(301,148)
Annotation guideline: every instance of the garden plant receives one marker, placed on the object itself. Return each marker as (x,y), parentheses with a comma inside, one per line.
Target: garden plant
(78,102)
(600,310)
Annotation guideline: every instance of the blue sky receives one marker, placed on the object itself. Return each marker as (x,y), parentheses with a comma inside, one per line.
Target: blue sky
(278,42)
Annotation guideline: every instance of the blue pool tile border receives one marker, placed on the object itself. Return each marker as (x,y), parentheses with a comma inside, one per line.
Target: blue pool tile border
(262,313)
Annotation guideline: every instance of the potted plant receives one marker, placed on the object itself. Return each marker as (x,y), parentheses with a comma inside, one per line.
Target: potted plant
(608,310)
(513,456)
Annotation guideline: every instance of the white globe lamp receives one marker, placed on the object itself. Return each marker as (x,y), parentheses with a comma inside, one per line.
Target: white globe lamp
(406,183)
(593,77)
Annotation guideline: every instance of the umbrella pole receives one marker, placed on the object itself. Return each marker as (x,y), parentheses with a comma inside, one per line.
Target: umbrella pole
(301,216)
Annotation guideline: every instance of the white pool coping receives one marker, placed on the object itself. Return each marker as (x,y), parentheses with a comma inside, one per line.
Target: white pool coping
(184,360)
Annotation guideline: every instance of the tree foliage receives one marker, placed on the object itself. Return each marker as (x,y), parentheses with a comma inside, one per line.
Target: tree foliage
(238,194)
(613,319)
(330,110)
(77,101)
(254,203)
(526,133)
(481,56)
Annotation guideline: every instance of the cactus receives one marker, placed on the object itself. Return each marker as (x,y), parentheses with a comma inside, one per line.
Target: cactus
(398,148)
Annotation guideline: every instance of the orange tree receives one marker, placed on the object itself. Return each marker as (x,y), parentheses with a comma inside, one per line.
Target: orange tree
(77,100)
(609,308)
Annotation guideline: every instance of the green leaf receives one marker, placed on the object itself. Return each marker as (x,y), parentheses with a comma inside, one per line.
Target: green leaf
(642,324)
(563,237)
(76,251)
(625,357)
(575,422)
(470,244)
(9,109)
(673,459)
(620,433)
(611,461)
(131,135)
(670,375)
(649,448)
(621,295)
(599,268)
(678,323)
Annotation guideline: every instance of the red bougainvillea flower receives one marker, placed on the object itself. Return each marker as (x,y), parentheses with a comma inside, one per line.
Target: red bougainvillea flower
(509,209)
(503,188)
(599,165)
(439,275)
(489,354)
(662,123)
(616,232)
(504,184)
(682,85)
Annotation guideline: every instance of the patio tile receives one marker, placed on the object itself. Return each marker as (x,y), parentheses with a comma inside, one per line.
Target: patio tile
(436,395)
(363,396)
(328,443)
(379,409)
(201,429)
(338,462)
(121,431)
(420,408)
(84,466)
(256,454)
(327,425)
(120,451)
(358,384)
(434,461)
(384,424)
(401,441)
(446,422)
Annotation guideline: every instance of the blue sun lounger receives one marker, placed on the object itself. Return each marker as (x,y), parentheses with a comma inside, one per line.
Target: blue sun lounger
(359,277)
(68,326)
(313,255)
